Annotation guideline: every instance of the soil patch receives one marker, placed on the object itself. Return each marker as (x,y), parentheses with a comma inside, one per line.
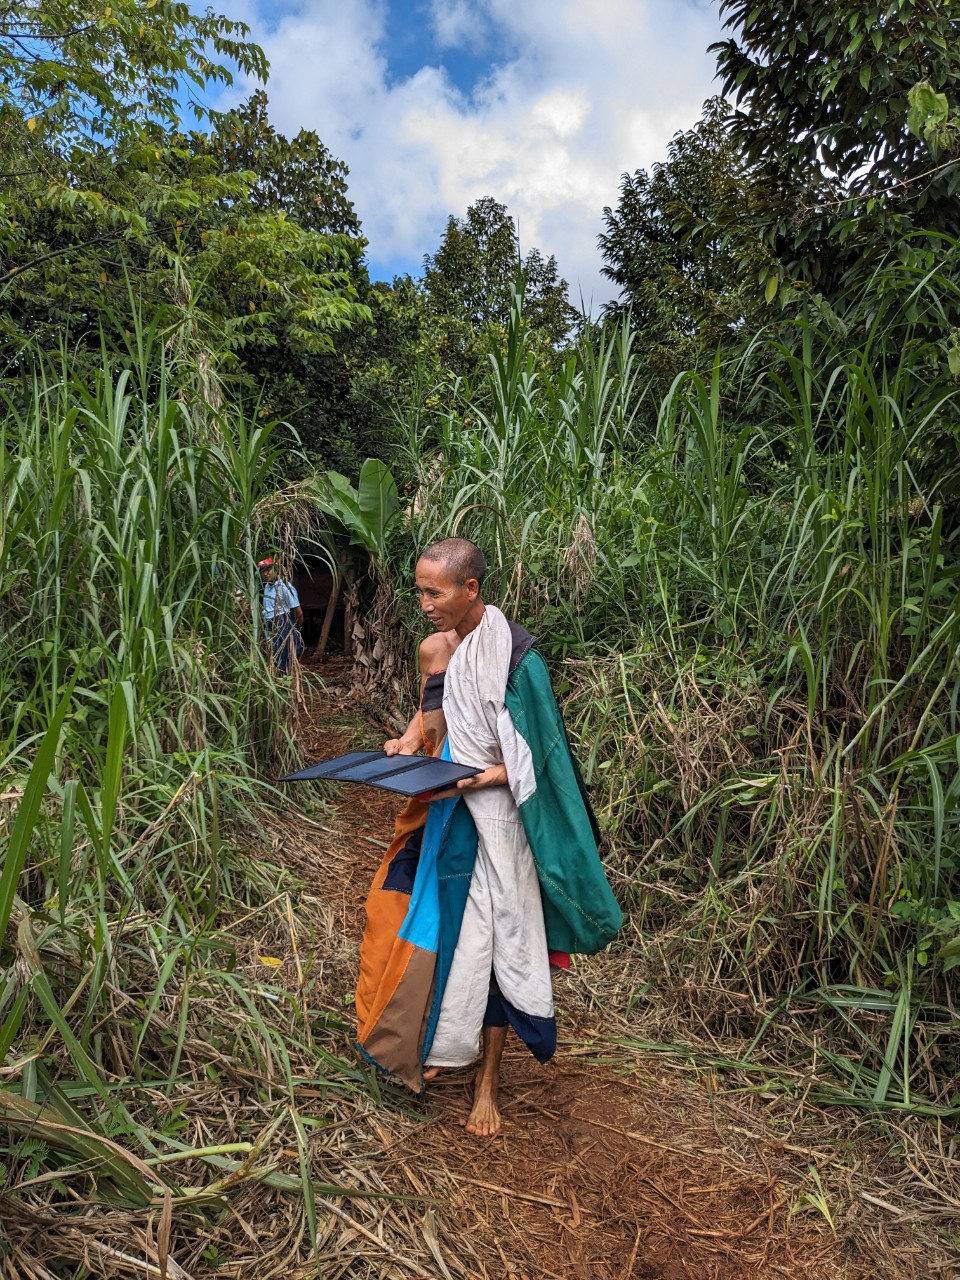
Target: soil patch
(597,1176)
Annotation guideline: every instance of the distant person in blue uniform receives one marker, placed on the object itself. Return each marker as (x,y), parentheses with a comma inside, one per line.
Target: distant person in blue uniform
(282,614)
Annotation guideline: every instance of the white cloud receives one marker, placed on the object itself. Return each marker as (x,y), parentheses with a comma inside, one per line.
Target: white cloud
(458,24)
(583,93)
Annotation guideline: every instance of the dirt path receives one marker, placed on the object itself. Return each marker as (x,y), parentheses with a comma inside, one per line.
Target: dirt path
(608,1167)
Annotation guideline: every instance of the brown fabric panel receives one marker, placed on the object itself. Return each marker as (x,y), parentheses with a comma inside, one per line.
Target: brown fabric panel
(433,725)
(396,1039)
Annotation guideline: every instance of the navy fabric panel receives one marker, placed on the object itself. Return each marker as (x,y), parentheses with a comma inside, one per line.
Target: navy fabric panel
(403,867)
(538,1034)
(494,1015)
(523,642)
(433,693)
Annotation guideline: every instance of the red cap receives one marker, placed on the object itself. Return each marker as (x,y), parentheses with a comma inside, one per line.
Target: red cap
(265,564)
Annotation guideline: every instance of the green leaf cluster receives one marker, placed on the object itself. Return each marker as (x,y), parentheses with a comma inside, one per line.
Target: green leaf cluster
(242,243)
(929,117)
(824,113)
(362,515)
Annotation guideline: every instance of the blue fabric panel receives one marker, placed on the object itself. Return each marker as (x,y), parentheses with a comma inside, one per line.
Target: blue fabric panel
(457,857)
(455,871)
(402,871)
(421,926)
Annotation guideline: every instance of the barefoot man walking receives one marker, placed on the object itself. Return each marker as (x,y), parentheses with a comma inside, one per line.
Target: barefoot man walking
(485,885)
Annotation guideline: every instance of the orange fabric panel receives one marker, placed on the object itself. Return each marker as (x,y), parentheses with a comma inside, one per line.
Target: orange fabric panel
(384,957)
(385,914)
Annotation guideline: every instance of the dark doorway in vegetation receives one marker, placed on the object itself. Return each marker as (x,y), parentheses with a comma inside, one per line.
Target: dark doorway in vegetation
(322,602)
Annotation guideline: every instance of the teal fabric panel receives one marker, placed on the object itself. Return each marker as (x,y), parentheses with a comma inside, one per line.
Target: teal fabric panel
(580,911)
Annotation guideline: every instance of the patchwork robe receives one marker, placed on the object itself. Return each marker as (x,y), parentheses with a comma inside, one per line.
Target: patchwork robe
(418,1001)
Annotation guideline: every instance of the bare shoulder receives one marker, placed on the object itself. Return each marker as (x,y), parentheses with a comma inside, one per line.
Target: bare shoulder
(435,651)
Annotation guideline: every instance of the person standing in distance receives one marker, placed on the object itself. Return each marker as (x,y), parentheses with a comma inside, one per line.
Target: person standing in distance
(282,615)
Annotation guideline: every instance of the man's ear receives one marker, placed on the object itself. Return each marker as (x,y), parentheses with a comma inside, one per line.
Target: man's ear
(473,586)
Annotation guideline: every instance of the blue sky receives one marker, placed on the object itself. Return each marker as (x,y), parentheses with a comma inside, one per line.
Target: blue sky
(411,41)
(432,104)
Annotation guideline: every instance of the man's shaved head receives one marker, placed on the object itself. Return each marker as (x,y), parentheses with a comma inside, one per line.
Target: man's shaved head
(461,558)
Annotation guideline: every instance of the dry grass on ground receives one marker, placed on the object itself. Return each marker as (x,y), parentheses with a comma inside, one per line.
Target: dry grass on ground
(613,1163)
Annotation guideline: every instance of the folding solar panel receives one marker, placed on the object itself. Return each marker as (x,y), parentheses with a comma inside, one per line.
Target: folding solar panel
(409,775)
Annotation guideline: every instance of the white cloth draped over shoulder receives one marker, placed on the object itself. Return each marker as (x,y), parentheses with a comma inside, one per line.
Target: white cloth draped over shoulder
(503,932)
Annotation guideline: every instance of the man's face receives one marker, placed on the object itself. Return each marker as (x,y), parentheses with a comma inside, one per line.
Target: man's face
(444,601)
(267,573)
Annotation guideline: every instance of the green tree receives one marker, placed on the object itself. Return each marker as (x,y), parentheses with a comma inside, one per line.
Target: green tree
(822,96)
(282,268)
(675,245)
(243,244)
(98,73)
(298,178)
(89,92)
(470,282)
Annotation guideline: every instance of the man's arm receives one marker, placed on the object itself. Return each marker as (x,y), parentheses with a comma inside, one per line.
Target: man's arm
(432,657)
(294,603)
(495,776)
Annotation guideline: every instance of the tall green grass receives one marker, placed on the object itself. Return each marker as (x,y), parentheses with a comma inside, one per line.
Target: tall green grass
(138,709)
(749,593)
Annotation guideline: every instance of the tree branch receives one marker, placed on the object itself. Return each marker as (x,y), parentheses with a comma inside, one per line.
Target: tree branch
(58,253)
(878,192)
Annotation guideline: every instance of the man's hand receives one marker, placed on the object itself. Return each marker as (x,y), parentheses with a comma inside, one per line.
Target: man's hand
(495,776)
(399,747)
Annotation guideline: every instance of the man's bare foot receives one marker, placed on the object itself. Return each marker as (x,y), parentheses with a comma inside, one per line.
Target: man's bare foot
(431,1073)
(484,1119)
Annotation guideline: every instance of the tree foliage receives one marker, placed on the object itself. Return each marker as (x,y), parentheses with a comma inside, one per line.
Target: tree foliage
(472,276)
(243,241)
(105,74)
(281,268)
(298,178)
(674,245)
(89,96)
(822,96)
